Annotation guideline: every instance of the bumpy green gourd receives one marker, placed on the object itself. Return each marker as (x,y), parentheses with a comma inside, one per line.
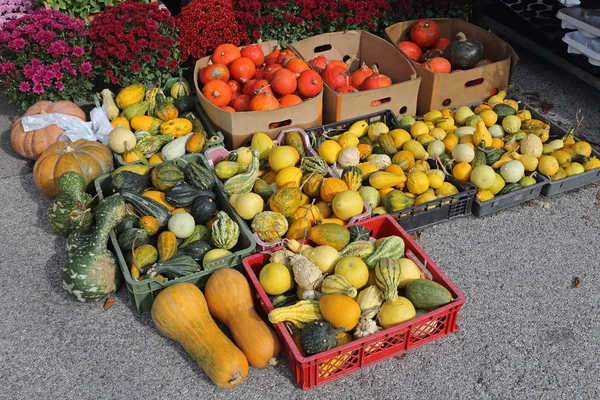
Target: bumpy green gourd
(390,247)
(71,210)
(91,270)
(167,175)
(243,183)
(151,144)
(201,232)
(359,232)
(175,267)
(225,232)
(315,164)
(199,176)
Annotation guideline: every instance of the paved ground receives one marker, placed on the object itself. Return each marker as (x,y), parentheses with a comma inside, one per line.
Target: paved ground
(525,333)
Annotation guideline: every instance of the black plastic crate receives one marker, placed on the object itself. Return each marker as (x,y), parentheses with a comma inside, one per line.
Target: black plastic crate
(481,209)
(439,210)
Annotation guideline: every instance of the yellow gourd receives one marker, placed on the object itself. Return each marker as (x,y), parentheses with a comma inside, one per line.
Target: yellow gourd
(299,314)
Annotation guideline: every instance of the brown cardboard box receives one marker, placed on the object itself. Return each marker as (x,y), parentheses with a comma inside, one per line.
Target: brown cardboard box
(401,97)
(238,127)
(459,88)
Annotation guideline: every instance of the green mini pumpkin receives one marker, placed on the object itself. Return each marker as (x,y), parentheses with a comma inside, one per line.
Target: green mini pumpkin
(166,175)
(225,232)
(318,336)
(358,233)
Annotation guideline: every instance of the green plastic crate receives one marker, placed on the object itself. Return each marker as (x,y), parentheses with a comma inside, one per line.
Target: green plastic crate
(208,127)
(142,293)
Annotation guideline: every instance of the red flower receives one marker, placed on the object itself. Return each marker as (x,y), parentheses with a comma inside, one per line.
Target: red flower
(115,81)
(110,73)
(136,67)
(256,34)
(147,58)
(162,63)
(165,53)
(299,20)
(269,19)
(173,64)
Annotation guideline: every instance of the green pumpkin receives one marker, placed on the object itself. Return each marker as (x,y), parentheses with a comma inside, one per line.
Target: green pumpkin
(358,233)
(167,175)
(198,176)
(225,232)
(318,336)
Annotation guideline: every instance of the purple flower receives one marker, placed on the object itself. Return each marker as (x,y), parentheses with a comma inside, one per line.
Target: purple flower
(78,51)
(38,88)
(25,87)
(66,63)
(58,48)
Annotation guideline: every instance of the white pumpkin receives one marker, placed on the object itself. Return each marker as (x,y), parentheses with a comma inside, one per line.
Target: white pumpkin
(496,131)
(462,152)
(512,171)
(465,130)
(531,145)
(121,139)
(182,225)
(436,148)
(483,176)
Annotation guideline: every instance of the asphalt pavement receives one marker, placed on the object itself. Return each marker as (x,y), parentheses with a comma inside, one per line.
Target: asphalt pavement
(525,331)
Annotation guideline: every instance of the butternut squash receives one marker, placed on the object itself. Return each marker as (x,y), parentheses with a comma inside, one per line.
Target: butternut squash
(230,301)
(180,313)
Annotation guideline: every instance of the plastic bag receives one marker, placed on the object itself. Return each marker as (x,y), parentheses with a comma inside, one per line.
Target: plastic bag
(97,129)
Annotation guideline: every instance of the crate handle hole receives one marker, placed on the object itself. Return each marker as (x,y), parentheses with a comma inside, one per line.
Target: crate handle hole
(447,102)
(474,82)
(403,110)
(280,124)
(323,48)
(345,58)
(379,102)
(494,91)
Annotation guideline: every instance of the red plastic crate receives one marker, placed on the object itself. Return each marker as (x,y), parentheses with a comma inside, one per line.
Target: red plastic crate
(310,372)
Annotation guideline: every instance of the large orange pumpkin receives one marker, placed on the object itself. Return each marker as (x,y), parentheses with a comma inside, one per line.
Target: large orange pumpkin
(225,53)
(214,72)
(31,144)
(89,159)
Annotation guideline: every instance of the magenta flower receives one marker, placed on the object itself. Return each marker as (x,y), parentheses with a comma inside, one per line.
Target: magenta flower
(86,67)
(60,86)
(66,63)
(38,88)
(17,44)
(78,51)
(25,87)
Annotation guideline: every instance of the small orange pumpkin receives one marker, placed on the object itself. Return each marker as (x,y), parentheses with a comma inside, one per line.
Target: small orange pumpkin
(264,102)
(225,53)
(242,69)
(149,224)
(271,58)
(214,72)
(438,65)
(270,71)
(284,82)
(319,63)
(255,53)
(310,84)
(285,56)
(289,100)
(376,80)
(217,92)
(357,77)
(241,103)
(297,66)
(261,86)
(195,143)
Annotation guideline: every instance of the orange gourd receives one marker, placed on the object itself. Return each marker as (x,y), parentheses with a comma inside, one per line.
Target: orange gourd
(331,187)
(33,143)
(255,53)
(214,72)
(149,224)
(285,56)
(180,312)
(230,301)
(438,65)
(217,92)
(270,71)
(225,53)
(289,100)
(319,63)
(297,66)
(284,82)
(195,143)
(242,69)
(89,159)
(264,102)
(357,77)
(310,84)
(376,80)
(271,58)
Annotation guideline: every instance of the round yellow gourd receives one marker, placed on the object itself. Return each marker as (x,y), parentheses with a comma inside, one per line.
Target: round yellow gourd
(574,168)
(276,278)
(400,136)
(462,171)
(262,143)
(325,257)
(408,272)
(213,255)
(463,153)
(288,176)
(281,157)
(450,141)
(354,269)
(121,139)
(396,312)
(432,115)
(376,129)
(247,205)
(329,151)
(347,204)
(435,180)
(582,148)
(489,117)
(340,311)
(447,189)
(417,182)
(418,128)
(498,184)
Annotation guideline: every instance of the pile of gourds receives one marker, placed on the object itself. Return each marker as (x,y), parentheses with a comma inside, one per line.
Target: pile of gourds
(282,191)
(348,286)
(385,166)
(174,224)
(151,127)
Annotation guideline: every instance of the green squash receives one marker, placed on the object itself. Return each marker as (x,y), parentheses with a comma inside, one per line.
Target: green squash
(199,176)
(318,336)
(147,206)
(427,295)
(203,209)
(127,181)
(176,267)
(128,221)
(71,210)
(315,164)
(167,175)
(134,110)
(131,236)
(91,270)
(197,250)
(185,104)
(225,232)
(183,195)
(201,232)
(358,233)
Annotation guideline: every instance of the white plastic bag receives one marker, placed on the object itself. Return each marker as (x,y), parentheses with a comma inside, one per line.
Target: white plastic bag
(97,129)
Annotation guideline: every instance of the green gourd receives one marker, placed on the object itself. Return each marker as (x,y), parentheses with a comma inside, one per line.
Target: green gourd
(134,110)
(318,336)
(243,183)
(390,247)
(197,250)
(176,267)
(167,175)
(315,164)
(151,144)
(71,210)
(201,232)
(129,221)
(132,236)
(359,232)
(199,176)
(182,195)
(427,295)
(146,206)
(387,277)
(225,232)
(127,181)
(91,270)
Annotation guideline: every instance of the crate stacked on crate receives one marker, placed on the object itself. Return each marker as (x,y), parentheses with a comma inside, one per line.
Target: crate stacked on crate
(388,273)
(388,151)
(585,39)
(160,244)
(305,173)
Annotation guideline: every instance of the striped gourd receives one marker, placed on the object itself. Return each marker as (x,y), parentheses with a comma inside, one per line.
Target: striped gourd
(353,177)
(299,314)
(166,245)
(359,248)
(144,256)
(387,277)
(224,232)
(243,183)
(294,139)
(315,164)
(338,284)
(387,144)
(390,247)
(370,299)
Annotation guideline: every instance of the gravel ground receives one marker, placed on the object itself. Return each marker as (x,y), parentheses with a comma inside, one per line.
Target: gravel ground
(525,333)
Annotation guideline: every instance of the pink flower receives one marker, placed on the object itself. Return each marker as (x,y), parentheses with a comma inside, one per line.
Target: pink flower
(85,67)
(110,73)
(25,87)
(65,63)
(38,88)
(115,80)
(78,51)
(256,34)
(17,44)
(60,86)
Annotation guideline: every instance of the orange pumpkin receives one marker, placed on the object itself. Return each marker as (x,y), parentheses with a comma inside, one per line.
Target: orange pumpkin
(241,103)
(225,53)
(335,76)
(271,58)
(310,84)
(255,53)
(319,63)
(339,63)
(180,312)
(89,159)
(438,65)
(284,82)
(289,100)
(331,187)
(264,102)
(297,66)
(376,80)
(242,69)
(346,89)
(357,77)
(235,86)
(270,71)
(217,92)
(228,109)
(214,72)
(33,143)
(261,86)
(285,56)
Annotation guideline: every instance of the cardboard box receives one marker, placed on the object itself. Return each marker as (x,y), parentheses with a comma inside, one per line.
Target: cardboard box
(460,88)
(401,97)
(238,127)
